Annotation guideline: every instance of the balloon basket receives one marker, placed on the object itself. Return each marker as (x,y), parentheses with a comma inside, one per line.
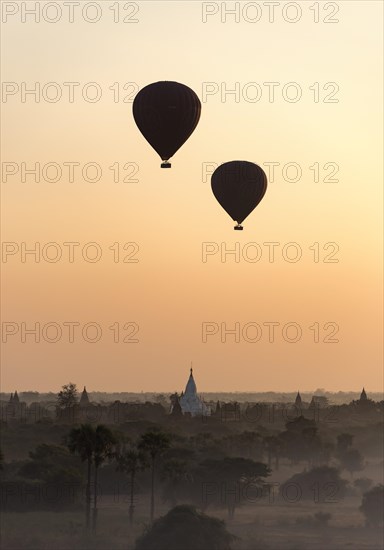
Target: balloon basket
(238,228)
(166,165)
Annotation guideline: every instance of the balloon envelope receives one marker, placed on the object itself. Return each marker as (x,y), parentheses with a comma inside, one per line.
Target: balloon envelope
(166,113)
(239,186)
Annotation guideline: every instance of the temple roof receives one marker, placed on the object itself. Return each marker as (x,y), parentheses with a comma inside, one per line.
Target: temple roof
(363,395)
(190,402)
(84,397)
(190,388)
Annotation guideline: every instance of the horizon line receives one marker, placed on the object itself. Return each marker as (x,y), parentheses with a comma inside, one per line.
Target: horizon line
(322,390)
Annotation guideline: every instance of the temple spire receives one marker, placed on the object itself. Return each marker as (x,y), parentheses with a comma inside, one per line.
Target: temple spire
(363,396)
(84,399)
(190,402)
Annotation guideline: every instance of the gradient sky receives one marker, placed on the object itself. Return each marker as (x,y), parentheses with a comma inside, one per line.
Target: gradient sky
(171,292)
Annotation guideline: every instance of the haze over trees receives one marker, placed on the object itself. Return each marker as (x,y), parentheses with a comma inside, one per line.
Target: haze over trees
(134,467)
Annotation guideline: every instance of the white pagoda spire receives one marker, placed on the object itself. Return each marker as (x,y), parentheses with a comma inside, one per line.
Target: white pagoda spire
(190,402)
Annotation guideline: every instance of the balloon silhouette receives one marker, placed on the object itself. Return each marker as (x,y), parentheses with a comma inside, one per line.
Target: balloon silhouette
(166,113)
(239,186)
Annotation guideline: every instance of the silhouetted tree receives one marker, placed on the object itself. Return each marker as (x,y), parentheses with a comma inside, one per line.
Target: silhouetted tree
(363,484)
(154,443)
(222,481)
(130,462)
(82,442)
(352,461)
(300,441)
(372,506)
(51,464)
(252,444)
(68,396)
(321,484)
(103,449)
(185,528)
(174,471)
(273,444)
(344,442)
(325,452)
(178,463)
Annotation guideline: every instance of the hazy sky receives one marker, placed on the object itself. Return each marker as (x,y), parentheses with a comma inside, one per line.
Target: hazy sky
(305,101)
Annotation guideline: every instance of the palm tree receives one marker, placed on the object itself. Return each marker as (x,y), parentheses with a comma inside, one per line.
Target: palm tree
(174,472)
(252,442)
(82,442)
(104,444)
(130,462)
(273,446)
(154,443)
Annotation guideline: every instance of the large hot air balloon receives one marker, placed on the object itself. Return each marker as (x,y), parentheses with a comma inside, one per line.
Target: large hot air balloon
(239,186)
(166,113)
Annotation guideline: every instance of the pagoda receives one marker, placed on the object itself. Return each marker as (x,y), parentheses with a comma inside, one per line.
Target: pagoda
(190,402)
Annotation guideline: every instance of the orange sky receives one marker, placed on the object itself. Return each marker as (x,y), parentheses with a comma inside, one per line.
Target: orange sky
(179,298)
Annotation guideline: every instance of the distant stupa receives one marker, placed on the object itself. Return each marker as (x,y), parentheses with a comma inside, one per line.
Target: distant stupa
(175,407)
(84,399)
(190,402)
(363,396)
(298,401)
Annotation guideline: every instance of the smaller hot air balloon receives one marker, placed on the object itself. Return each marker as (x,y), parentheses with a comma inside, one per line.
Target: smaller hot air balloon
(239,186)
(166,113)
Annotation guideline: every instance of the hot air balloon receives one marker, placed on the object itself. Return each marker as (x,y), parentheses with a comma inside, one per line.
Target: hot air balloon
(166,113)
(239,186)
